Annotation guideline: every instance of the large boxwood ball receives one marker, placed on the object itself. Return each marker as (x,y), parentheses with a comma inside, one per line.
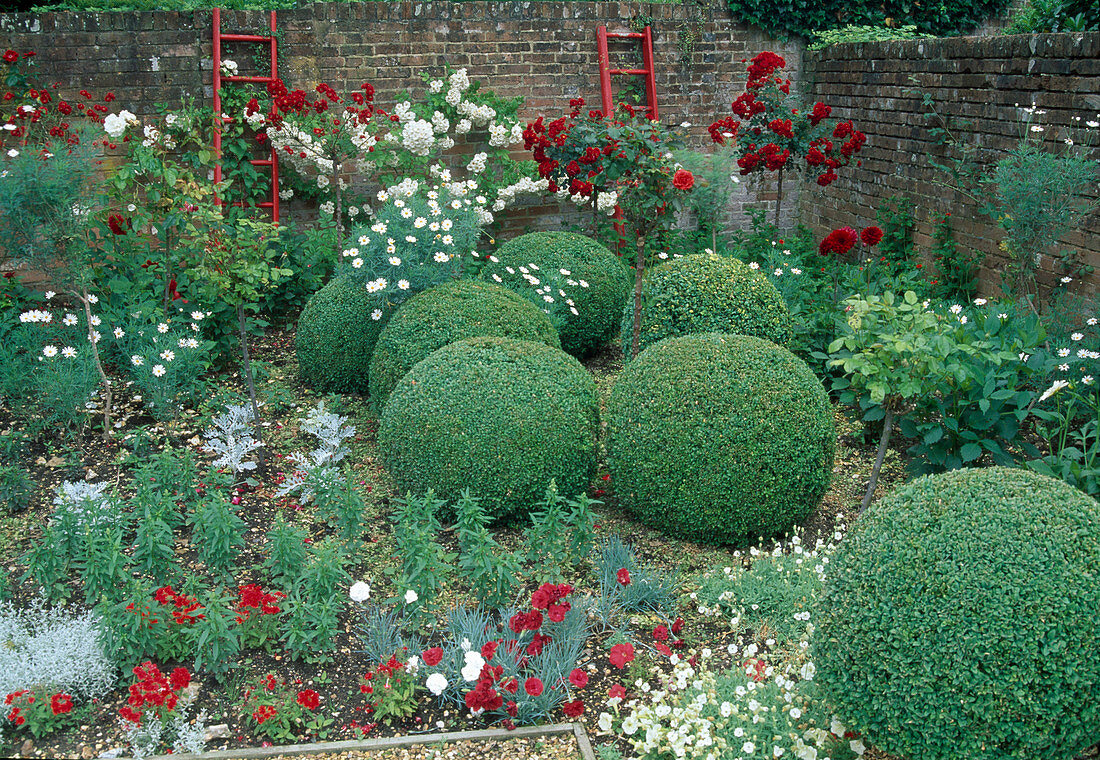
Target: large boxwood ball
(961,619)
(446,313)
(499,416)
(336,335)
(594,279)
(720,438)
(707,293)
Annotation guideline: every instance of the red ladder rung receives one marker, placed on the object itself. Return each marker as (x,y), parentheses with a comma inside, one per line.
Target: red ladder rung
(629,71)
(260,162)
(626,35)
(247,79)
(247,38)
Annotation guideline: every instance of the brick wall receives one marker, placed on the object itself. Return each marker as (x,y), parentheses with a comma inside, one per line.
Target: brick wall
(543,51)
(977,80)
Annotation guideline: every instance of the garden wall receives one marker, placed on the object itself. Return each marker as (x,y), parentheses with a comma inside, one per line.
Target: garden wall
(543,51)
(976,80)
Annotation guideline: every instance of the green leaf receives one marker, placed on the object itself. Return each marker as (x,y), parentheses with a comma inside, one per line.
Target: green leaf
(970,451)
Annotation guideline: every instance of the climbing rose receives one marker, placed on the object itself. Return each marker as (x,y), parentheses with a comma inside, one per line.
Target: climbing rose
(683,179)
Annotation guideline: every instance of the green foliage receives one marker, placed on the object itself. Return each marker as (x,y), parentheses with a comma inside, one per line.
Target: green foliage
(323,572)
(594,280)
(1003,561)
(715,177)
(102,563)
(1044,16)
(650,588)
(424,565)
(154,546)
(854,33)
(215,637)
(336,336)
(16,489)
(311,254)
(286,554)
(720,437)
(895,215)
(217,533)
(309,627)
(501,417)
(709,293)
(785,18)
(492,573)
(1071,427)
(561,533)
(446,313)
(956,275)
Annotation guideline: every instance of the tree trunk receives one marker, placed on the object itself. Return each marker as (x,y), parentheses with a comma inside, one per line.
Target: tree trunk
(639,268)
(248,378)
(779,195)
(887,426)
(339,208)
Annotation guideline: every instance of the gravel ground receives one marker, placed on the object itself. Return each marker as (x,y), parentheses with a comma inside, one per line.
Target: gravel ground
(555,747)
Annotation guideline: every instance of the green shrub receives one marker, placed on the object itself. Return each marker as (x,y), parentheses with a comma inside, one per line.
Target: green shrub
(593,278)
(720,437)
(708,293)
(336,336)
(446,313)
(961,618)
(502,417)
(16,488)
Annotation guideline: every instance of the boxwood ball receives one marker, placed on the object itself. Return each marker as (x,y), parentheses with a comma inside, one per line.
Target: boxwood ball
(597,282)
(336,335)
(961,619)
(446,313)
(720,437)
(500,416)
(707,293)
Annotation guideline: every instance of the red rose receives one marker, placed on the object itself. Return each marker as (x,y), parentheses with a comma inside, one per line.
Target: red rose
(533,686)
(621,655)
(309,699)
(432,657)
(820,112)
(10,56)
(117,224)
(683,180)
(573,709)
(871,236)
(578,678)
(624,576)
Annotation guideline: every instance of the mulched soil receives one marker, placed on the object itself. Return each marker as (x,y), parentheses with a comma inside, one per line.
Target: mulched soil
(53,460)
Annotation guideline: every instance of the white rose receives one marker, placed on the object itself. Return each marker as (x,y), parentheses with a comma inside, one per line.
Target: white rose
(360,592)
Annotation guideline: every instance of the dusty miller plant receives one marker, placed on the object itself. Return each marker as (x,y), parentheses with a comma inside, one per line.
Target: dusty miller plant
(231,439)
(331,433)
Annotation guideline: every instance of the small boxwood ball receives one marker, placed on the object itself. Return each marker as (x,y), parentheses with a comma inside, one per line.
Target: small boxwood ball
(961,619)
(499,416)
(592,277)
(336,335)
(707,293)
(720,438)
(446,313)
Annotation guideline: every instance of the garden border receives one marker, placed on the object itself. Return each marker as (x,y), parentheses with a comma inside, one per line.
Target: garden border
(394,742)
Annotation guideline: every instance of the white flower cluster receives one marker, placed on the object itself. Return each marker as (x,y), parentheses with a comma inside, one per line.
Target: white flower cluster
(229,68)
(605,202)
(477,115)
(418,137)
(115,124)
(477,163)
(440,123)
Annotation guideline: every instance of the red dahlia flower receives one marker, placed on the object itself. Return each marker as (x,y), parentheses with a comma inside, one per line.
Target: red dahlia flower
(871,236)
(838,241)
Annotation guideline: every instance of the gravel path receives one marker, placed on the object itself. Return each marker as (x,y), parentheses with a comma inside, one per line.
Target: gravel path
(558,747)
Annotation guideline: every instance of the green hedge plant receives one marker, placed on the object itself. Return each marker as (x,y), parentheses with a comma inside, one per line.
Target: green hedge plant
(961,618)
(589,275)
(336,336)
(446,313)
(710,293)
(499,416)
(720,437)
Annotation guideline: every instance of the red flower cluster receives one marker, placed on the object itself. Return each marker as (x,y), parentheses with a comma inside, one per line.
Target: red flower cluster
(286,102)
(253,602)
(483,696)
(25,704)
(838,241)
(154,689)
(181,606)
(548,597)
(309,699)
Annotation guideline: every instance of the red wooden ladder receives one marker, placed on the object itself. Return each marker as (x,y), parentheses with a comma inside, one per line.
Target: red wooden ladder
(646,38)
(273,162)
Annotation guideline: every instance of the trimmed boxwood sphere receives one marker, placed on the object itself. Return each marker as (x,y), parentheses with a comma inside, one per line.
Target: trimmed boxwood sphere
(598,306)
(336,336)
(499,416)
(707,293)
(961,619)
(720,437)
(446,313)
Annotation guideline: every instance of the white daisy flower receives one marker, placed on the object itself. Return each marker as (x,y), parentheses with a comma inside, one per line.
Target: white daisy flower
(376,314)
(136,360)
(69,352)
(49,351)
(159,370)
(162,328)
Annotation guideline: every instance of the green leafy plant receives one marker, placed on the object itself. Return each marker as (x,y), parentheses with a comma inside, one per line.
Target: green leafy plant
(956,273)
(40,713)
(275,709)
(517,415)
(286,554)
(824,38)
(696,449)
(323,572)
(16,489)
(215,637)
(896,351)
(391,689)
(561,533)
(309,627)
(1071,428)
(492,573)
(424,565)
(1045,16)
(896,217)
(910,575)
(217,530)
